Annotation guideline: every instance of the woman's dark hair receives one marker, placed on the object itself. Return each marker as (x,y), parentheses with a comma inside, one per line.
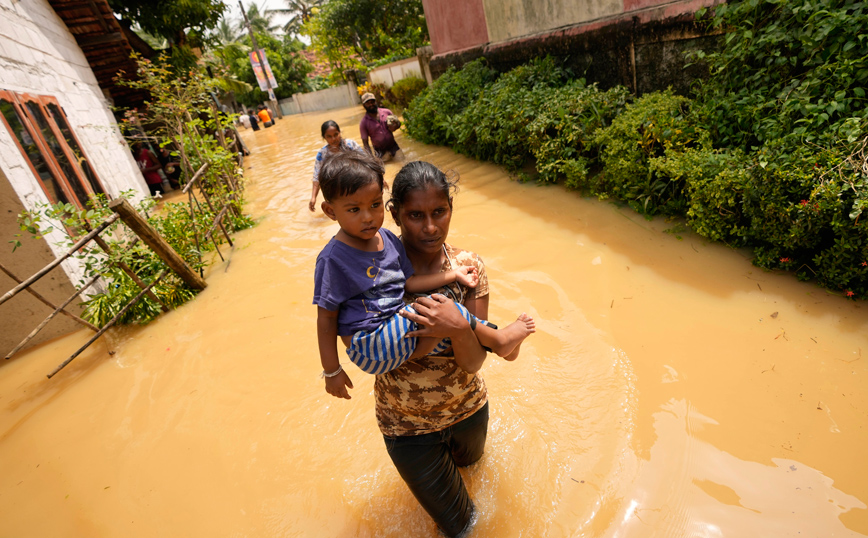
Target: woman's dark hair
(345,172)
(329,123)
(420,175)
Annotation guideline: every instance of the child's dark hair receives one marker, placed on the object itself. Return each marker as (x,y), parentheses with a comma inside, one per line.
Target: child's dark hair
(346,172)
(329,123)
(420,175)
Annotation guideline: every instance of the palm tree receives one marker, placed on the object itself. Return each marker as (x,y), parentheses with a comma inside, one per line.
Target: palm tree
(226,32)
(301,11)
(260,20)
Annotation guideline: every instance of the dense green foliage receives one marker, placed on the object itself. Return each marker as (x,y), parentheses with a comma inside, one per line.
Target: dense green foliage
(787,95)
(431,116)
(406,89)
(493,127)
(354,33)
(183,23)
(561,135)
(771,152)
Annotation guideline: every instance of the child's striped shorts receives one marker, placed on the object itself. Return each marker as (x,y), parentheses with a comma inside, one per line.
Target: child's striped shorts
(385,348)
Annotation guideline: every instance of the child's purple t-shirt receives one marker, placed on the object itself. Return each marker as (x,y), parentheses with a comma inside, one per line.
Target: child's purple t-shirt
(365,287)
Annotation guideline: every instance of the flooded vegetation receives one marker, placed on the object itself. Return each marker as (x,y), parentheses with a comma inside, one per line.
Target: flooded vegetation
(671,389)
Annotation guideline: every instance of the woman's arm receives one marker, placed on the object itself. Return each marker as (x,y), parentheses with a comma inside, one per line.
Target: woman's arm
(478,306)
(440,318)
(465,275)
(327,337)
(313,194)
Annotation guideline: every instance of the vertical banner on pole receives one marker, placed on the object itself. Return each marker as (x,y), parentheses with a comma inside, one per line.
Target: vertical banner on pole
(258,71)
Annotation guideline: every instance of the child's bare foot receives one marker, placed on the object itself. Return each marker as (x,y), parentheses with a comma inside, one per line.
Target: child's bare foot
(513,335)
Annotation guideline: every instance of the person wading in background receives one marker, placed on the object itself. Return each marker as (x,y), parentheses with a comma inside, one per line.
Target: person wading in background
(374,126)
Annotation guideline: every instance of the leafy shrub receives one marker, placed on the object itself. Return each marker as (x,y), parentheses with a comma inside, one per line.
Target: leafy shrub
(494,126)
(430,118)
(406,89)
(560,134)
(716,181)
(794,71)
(650,127)
(788,90)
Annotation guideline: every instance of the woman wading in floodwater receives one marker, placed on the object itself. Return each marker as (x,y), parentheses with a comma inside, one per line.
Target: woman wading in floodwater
(433,412)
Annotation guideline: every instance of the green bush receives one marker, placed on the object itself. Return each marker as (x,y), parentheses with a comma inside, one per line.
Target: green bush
(406,89)
(788,90)
(430,118)
(494,126)
(716,182)
(560,134)
(769,154)
(650,127)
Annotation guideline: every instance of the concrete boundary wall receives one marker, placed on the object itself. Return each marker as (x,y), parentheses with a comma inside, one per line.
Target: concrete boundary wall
(334,97)
(391,73)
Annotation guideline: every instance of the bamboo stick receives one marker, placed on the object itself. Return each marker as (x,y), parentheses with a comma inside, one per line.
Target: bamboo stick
(109,324)
(159,245)
(190,198)
(57,310)
(48,303)
(217,221)
(132,274)
(81,242)
(201,171)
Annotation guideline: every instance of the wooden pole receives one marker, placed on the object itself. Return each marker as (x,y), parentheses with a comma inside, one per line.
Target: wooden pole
(110,323)
(81,242)
(48,303)
(159,245)
(60,308)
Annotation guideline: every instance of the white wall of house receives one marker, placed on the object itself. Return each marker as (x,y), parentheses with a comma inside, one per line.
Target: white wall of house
(38,55)
(391,73)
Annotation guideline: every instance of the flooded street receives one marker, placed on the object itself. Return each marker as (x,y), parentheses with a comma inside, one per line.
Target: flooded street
(672,389)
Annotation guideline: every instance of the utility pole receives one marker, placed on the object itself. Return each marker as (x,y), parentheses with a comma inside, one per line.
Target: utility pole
(271,97)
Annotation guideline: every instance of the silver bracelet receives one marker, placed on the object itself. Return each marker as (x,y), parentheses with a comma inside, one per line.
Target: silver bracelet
(336,372)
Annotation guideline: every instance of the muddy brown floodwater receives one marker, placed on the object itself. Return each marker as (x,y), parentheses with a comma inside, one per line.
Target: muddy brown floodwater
(672,389)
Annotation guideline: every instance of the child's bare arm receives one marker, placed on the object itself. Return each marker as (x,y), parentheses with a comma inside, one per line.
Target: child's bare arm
(327,336)
(421,283)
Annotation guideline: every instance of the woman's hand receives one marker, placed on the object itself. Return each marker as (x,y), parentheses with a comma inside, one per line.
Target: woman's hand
(467,276)
(437,316)
(337,386)
(312,204)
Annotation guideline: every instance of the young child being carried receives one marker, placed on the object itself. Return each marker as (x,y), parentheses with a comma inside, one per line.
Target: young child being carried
(360,279)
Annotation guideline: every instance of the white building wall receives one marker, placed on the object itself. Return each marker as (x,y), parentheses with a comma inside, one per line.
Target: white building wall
(391,73)
(39,55)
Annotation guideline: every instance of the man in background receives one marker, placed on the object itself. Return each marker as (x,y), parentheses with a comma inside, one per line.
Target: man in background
(374,126)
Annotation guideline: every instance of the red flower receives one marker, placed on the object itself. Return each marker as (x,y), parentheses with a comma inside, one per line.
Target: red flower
(785,260)
(864,264)
(849,293)
(804,202)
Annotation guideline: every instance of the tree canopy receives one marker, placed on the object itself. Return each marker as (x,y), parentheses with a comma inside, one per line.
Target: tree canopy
(172,19)
(355,32)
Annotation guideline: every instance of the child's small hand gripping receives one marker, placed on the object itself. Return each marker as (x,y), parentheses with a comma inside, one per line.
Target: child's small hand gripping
(467,276)
(337,386)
